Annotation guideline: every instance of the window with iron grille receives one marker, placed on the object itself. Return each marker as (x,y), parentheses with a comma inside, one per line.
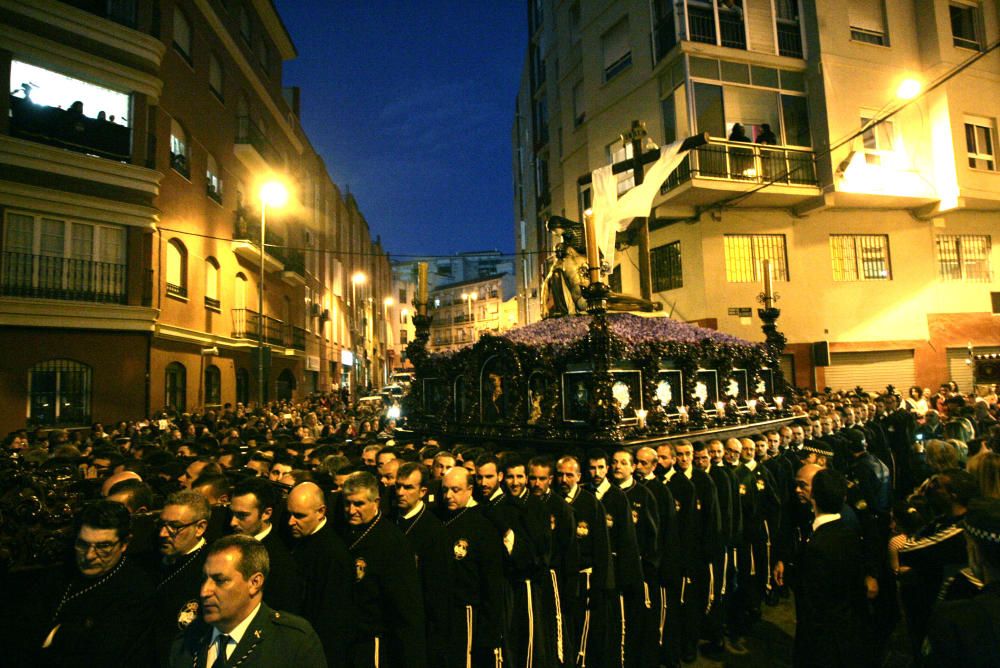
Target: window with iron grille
(59,393)
(745,255)
(666,266)
(860,257)
(964,257)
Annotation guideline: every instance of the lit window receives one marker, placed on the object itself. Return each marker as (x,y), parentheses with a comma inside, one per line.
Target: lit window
(176,269)
(215,75)
(182,34)
(212,283)
(964,25)
(863,257)
(867,18)
(59,393)
(617,152)
(665,262)
(964,258)
(179,149)
(979,141)
(617,49)
(213,182)
(745,255)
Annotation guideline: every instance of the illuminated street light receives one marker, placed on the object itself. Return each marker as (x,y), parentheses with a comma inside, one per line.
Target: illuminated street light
(273,194)
(908,89)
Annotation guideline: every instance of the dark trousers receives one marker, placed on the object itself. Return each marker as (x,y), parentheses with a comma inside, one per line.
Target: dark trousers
(462,649)
(693,608)
(368,653)
(642,625)
(588,620)
(714,622)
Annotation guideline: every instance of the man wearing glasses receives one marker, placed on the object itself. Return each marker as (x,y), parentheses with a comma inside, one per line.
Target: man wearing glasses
(93,614)
(177,567)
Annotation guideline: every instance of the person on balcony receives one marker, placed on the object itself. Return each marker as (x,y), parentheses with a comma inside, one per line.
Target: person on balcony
(766,135)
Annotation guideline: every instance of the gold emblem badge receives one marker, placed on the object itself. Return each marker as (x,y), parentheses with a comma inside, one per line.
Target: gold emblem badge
(461,548)
(552,521)
(360,566)
(677,505)
(635,516)
(582,529)
(743,489)
(760,484)
(609,520)
(861,504)
(697,504)
(187,614)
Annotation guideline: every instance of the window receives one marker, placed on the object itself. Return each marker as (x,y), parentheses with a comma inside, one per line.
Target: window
(244,24)
(175,394)
(213,386)
(878,137)
(215,75)
(666,266)
(403,337)
(965,25)
(213,183)
(867,18)
(617,152)
(574,22)
(242,386)
(745,255)
(59,393)
(541,111)
(579,111)
(212,284)
(179,150)
(402,296)
(403,317)
(240,292)
(182,34)
(617,49)
(52,258)
(262,53)
(863,257)
(979,141)
(176,269)
(964,258)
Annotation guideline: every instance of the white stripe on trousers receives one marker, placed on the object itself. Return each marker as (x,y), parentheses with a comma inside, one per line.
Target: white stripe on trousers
(531,624)
(725,571)
(559,628)
(663,611)
(468,637)
(582,656)
(711,587)
(767,530)
(621,604)
(376,651)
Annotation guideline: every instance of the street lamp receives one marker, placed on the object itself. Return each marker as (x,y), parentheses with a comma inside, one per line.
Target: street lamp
(357,278)
(275,195)
(387,303)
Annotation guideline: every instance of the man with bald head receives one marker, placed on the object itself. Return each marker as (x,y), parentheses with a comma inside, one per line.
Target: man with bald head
(327,569)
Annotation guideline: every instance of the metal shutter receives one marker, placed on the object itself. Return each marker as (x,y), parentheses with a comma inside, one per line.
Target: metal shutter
(959,371)
(871,370)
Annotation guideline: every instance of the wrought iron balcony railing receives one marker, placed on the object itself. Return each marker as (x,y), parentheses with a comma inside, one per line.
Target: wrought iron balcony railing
(747,163)
(46,277)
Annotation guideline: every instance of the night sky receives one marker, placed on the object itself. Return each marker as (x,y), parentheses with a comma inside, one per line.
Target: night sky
(411,104)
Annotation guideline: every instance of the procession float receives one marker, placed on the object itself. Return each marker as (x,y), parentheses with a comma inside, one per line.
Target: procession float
(601,368)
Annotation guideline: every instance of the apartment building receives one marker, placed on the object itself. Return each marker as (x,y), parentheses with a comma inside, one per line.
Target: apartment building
(463,311)
(866,171)
(134,146)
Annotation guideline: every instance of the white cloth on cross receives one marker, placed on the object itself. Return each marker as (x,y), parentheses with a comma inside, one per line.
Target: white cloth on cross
(613,214)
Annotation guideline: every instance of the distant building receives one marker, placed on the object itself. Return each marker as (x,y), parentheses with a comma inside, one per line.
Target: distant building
(133,150)
(881,231)
(462,311)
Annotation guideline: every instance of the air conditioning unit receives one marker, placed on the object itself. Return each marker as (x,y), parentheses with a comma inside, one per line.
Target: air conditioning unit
(325,315)
(314,311)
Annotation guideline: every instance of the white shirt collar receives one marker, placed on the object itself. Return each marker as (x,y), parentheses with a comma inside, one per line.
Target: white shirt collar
(236,635)
(498,492)
(472,503)
(688,472)
(752,464)
(572,493)
(628,484)
(669,474)
(263,534)
(322,523)
(825,519)
(197,546)
(602,489)
(413,511)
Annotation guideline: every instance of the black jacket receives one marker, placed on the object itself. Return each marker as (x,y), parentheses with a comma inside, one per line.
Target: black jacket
(273,638)
(966,633)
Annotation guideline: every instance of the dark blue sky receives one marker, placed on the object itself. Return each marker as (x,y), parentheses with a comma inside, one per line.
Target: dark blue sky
(411,103)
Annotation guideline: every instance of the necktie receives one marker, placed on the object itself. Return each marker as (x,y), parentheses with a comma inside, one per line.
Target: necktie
(220,655)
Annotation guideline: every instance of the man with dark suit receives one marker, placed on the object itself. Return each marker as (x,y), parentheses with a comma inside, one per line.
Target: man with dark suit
(236,627)
(967,632)
(327,569)
(831,629)
(252,507)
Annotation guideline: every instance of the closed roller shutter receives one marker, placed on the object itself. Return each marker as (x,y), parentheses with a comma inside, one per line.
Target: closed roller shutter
(871,370)
(959,371)
(787,364)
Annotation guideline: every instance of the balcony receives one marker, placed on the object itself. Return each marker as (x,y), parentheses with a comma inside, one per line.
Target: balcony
(246,325)
(46,277)
(789,39)
(701,27)
(665,36)
(69,130)
(721,169)
(253,148)
(295,266)
(246,242)
(122,12)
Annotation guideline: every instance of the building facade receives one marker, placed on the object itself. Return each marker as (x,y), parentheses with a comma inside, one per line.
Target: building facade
(866,171)
(133,149)
(462,311)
